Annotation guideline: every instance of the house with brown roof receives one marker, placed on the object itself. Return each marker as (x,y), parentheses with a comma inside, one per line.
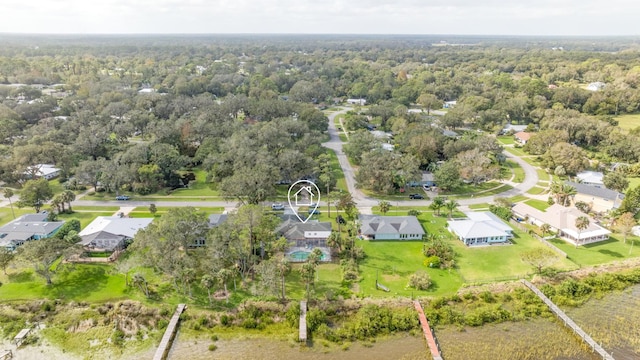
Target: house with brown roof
(562,220)
(522,137)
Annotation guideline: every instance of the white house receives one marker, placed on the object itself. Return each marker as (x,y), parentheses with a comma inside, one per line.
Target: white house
(375,227)
(480,228)
(109,233)
(595,178)
(46,171)
(596,86)
(360,102)
(563,220)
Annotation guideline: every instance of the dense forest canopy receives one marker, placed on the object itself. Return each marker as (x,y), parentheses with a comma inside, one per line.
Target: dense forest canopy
(133,111)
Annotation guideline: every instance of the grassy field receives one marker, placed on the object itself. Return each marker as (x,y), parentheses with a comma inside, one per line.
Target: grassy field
(542,175)
(601,252)
(536,190)
(200,187)
(538,204)
(628,121)
(517,171)
(84,217)
(506,140)
(633,182)
(479,206)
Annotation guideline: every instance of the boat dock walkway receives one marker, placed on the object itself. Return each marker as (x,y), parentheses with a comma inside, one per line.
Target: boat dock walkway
(303,321)
(428,332)
(169,334)
(569,322)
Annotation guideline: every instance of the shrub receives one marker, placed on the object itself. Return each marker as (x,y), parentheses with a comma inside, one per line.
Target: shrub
(293,316)
(117,338)
(420,280)
(315,318)
(226,320)
(432,261)
(413,212)
(213,347)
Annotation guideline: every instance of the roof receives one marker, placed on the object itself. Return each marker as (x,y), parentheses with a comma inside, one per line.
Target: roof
(523,135)
(116,225)
(217,219)
(30,227)
(563,218)
(596,191)
(293,229)
(375,224)
(43,169)
(103,240)
(516,128)
(479,224)
(591,177)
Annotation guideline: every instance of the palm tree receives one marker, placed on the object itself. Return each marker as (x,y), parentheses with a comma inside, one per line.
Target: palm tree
(68,196)
(207,282)
(545,228)
(581,223)
(569,193)
(8,193)
(451,206)
(437,204)
(58,203)
(384,206)
(556,190)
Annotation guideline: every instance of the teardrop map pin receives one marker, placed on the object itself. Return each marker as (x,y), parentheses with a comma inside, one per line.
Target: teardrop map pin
(304,193)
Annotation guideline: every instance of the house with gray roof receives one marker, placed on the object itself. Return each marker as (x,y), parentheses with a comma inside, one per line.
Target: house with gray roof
(480,228)
(217,219)
(27,228)
(594,178)
(110,233)
(308,234)
(377,227)
(599,198)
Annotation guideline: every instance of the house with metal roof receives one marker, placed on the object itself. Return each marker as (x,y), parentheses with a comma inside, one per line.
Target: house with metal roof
(110,233)
(27,228)
(376,227)
(595,178)
(304,237)
(562,220)
(599,198)
(480,228)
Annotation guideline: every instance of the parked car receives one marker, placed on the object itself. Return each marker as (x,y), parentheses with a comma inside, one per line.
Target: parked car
(122,197)
(277,207)
(415,196)
(340,220)
(313,211)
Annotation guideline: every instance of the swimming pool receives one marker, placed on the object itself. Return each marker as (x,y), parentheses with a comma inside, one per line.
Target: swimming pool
(301,255)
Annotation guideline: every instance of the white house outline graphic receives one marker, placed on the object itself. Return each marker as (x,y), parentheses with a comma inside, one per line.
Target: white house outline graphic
(310,194)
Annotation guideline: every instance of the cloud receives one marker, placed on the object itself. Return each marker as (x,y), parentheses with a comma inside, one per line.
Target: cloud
(572,17)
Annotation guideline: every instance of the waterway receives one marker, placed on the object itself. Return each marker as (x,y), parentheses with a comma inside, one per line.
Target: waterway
(613,321)
(402,347)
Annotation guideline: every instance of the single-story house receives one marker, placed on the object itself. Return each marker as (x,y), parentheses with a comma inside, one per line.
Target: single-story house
(110,233)
(510,128)
(522,137)
(307,234)
(450,104)
(46,171)
(595,178)
(427,179)
(360,102)
(562,220)
(26,228)
(480,228)
(596,86)
(376,227)
(388,147)
(601,199)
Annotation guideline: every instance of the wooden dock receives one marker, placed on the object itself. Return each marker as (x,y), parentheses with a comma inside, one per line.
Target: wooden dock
(169,334)
(6,355)
(569,322)
(428,332)
(303,321)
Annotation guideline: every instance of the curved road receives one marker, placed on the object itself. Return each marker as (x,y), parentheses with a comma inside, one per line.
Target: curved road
(364,202)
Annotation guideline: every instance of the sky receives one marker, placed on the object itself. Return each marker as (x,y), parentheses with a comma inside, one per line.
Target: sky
(467,17)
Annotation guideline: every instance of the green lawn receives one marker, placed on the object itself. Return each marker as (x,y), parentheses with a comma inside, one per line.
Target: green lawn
(341,183)
(393,262)
(6,215)
(479,206)
(517,198)
(200,187)
(506,140)
(536,190)
(517,170)
(601,252)
(633,182)
(538,204)
(628,121)
(84,217)
(95,208)
(516,151)
(542,175)
(498,262)
(484,189)
(79,282)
